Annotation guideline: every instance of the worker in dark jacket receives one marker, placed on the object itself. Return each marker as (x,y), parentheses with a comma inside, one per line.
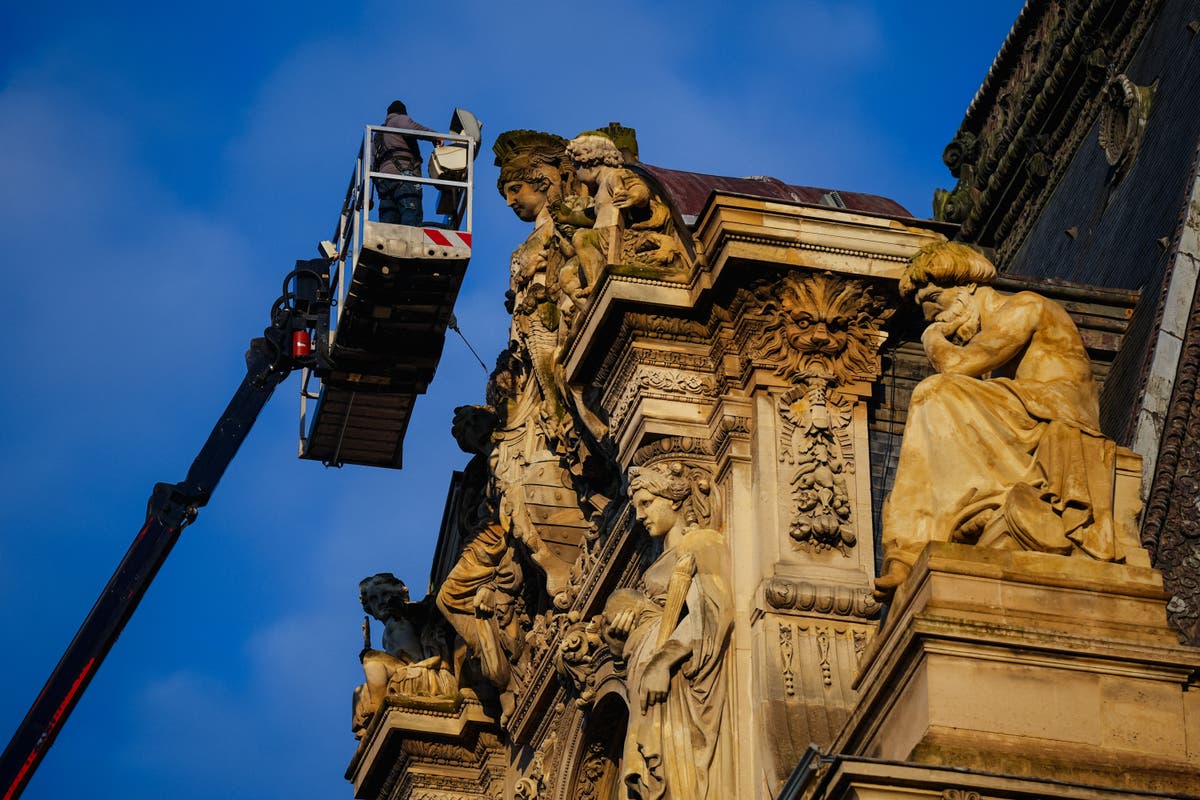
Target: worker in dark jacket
(398,154)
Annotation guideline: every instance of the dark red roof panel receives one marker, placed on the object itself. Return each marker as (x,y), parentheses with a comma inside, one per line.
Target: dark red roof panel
(689,191)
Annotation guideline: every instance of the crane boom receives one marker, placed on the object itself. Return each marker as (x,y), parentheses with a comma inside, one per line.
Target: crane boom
(170,509)
(393,287)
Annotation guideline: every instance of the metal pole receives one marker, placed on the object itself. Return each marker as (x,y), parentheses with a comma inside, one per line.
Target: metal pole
(470,182)
(171,508)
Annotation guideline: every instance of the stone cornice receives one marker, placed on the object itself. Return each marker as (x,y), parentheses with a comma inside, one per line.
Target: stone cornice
(734,230)
(456,726)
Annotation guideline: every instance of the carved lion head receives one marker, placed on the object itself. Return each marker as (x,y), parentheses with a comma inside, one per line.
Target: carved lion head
(819,325)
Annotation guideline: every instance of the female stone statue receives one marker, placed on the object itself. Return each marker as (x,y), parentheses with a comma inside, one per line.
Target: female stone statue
(674,641)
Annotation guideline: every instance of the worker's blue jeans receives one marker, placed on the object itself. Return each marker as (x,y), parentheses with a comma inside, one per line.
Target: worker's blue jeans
(400,202)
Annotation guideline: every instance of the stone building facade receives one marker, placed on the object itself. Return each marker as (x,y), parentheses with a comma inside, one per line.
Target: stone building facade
(664,571)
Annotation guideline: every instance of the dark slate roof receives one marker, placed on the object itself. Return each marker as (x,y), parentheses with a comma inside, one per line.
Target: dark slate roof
(689,191)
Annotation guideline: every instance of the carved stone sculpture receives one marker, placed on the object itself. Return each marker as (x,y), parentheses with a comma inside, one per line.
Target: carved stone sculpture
(575,659)
(1003,447)
(820,325)
(621,221)
(413,662)
(478,596)
(822,333)
(539,441)
(1123,120)
(673,639)
(814,428)
(535,175)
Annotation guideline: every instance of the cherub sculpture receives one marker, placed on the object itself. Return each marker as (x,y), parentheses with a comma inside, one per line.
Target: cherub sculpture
(621,220)
(413,661)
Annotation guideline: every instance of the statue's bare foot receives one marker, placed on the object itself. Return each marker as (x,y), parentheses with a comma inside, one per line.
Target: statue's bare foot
(508,704)
(885,584)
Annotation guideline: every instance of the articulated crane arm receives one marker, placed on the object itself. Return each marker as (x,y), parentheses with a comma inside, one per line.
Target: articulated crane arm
(171,508)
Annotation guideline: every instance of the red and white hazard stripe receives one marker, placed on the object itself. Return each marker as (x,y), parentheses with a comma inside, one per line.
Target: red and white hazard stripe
(447,238)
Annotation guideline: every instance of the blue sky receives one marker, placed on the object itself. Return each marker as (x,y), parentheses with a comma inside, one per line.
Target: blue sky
(162,167)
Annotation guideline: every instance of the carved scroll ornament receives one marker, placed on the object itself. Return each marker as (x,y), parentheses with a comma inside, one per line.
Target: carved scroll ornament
(579,649)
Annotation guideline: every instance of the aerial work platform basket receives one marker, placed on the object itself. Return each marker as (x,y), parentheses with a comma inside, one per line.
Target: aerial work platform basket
(392,290)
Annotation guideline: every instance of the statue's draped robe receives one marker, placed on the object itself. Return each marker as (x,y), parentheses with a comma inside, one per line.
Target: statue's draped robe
(682,748)
(968,442)
(486,562)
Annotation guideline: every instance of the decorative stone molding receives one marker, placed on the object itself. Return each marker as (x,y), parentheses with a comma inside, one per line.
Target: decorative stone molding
(823,654)
(663,384)
(787,652)
(860,645)
(784,594)
(597,763)
(615,546)
(812,247)
(410,753)
(1033,112)
(579,651)
(672,447)
(534,784)
(652,339)
(815,440)
(658,326)
(595,774)
(960,794)
(730,429)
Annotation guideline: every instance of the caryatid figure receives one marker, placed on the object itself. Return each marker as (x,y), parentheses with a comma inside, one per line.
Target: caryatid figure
(540,415)
(674,641)
(535,174)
